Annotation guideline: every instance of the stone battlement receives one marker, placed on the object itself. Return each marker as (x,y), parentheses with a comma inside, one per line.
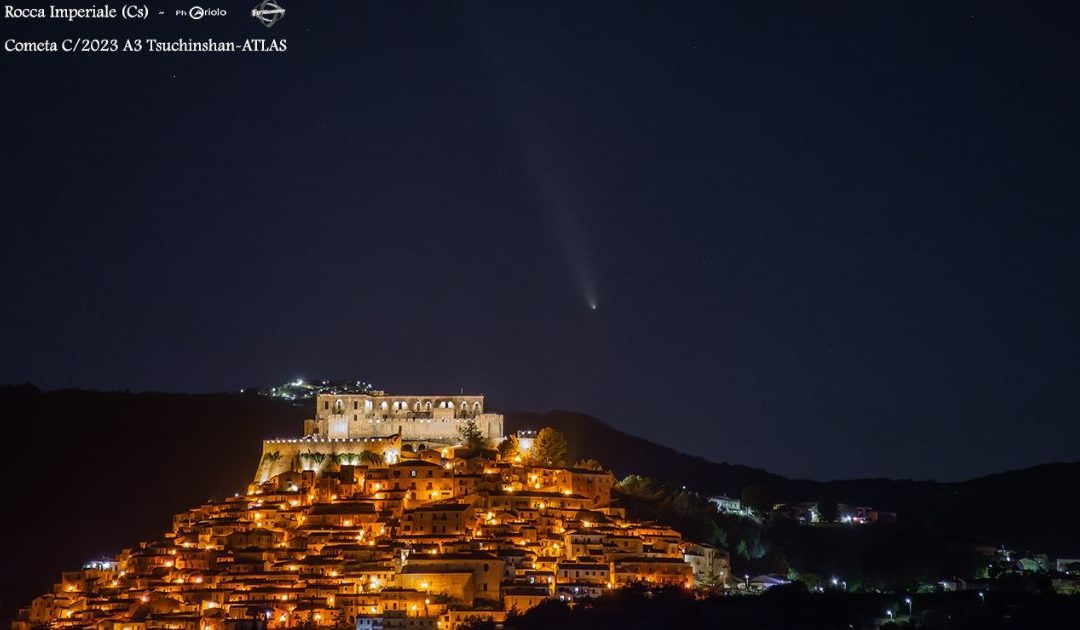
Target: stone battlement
(347,425)
(412,417)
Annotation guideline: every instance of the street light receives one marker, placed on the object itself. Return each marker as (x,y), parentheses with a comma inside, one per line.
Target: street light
(889,613)
(982,597)
(907,600)
(747,578)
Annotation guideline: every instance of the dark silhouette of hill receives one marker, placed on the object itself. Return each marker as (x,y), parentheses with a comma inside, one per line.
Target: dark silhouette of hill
(626,454)
(1023,508)
(88,473)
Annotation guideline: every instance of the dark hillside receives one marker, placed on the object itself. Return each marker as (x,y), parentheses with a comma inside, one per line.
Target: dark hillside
(87,473)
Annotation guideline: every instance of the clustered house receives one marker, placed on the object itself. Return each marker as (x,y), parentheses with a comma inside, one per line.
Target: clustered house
(388,536)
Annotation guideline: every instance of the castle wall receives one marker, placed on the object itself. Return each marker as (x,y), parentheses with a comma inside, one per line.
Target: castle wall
(438,427)
(353,423)
(284,454)
(378,405)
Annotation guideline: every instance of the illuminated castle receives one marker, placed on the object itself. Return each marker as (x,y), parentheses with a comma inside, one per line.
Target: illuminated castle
(378,414)
(347,425)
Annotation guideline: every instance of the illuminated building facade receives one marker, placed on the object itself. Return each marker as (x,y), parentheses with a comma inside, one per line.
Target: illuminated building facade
(358,530)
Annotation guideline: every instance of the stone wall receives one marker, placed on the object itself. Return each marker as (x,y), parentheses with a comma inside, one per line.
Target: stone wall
(311,453)
(411,428)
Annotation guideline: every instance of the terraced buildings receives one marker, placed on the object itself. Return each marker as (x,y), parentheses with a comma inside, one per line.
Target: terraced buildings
(374,532)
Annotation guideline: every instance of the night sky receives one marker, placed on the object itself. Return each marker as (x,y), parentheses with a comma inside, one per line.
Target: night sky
(831,242)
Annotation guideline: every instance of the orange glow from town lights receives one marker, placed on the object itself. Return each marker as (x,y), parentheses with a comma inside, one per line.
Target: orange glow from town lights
(282,618)
(423,585)
(567,492)
(347,523)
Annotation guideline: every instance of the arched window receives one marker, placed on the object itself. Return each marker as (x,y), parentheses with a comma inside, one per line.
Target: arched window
(339,405)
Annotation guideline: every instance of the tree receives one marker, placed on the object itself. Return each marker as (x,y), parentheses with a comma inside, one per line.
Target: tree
(757,497)
(828,509)
(372,458)
(471,436)
(589,464)
(509,448)
(549,448)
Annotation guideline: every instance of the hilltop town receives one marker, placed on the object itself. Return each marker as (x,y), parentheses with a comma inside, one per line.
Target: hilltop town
(389,511)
